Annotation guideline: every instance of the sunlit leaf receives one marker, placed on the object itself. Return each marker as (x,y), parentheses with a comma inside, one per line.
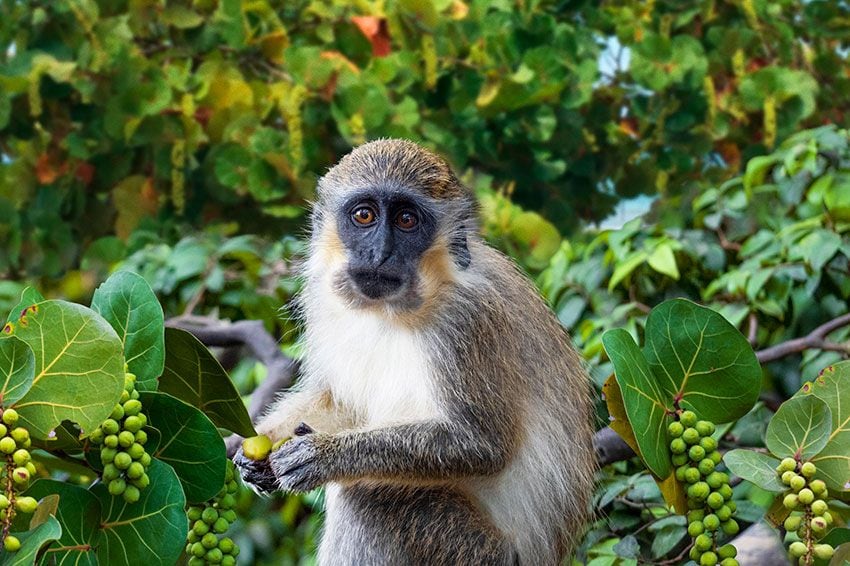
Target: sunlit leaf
(754,467)
(17,369)
(799,429)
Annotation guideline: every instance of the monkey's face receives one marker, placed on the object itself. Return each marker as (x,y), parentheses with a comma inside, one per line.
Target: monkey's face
(385,234)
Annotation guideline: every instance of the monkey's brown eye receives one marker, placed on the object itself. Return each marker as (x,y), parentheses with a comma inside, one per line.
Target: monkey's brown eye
(364,215)
(406,220)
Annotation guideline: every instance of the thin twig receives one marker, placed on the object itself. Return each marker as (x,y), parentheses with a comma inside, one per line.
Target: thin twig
(815,340)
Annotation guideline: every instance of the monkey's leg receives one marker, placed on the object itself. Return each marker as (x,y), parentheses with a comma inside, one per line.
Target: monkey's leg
(388,525)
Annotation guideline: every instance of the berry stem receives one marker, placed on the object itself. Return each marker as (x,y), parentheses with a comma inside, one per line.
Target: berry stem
(10,495)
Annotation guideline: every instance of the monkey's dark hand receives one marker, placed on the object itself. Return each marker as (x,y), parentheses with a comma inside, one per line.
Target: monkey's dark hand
(257,474)
(304,463)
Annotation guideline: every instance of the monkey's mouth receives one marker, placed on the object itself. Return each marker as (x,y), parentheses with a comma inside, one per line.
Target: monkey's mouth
(375,285)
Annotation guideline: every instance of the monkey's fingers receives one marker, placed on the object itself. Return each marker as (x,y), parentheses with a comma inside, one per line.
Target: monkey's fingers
(257,474)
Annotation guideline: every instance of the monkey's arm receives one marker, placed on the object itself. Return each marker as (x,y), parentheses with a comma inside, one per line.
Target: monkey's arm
(426,451)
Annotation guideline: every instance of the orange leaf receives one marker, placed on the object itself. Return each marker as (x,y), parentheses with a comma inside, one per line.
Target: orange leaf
(376,31)
(84,172)
(46,170)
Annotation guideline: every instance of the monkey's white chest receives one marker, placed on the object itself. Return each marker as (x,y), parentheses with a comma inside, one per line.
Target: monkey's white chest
(377,370)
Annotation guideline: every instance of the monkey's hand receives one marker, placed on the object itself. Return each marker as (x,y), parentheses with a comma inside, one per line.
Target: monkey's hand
(257,474)
(305,462)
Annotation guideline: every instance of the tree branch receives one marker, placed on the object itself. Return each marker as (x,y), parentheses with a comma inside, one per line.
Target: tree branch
(816,340)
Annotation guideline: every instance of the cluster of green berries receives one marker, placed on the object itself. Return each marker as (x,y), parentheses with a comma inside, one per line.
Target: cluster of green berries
(810,517)
(211,519)
(710,504)
(122,440)
(14,444)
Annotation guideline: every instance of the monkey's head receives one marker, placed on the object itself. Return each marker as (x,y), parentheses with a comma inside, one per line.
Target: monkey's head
(390,226)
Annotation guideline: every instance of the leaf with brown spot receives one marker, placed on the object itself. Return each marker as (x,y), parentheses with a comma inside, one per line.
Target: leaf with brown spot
(376,31)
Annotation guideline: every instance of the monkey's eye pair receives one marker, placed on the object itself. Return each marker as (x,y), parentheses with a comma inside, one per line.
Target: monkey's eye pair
(366,216)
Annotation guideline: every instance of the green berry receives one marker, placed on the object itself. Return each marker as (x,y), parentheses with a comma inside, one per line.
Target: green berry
(819,507)
(680,473)
(808,469)
(708,559)
(136,450)
(797,482)
(711,522)
(708,444)
(198,550)
(200,528)
(716,457)
(10,416)
(30,468)
(141,482)
(122,461)
(132,407)
(7,445)
(192,537)
(806,496)
(818,524)
(703,542)
(706,467)
(4,502)
(133,424)
(680,459)
(823,551)
(117,487)
(26,504)
(695,529)
(230,515)
(11,544)
(226,545)
(790,501)
(20,435)
(111,441)
(715,500)
(110,426)
(134,394)
(145,460)
(714,479)
(195,561)
(725,512)
(228,561)
(675,429)
(699,491)
(690,436)
(704,428)
(792,523)
(787,476)
(141,437)
(117,413)
(21,475)
(695,553)
(107,455)
(132,494)
(696,453)
(21,457)
(209,515)
(209,540)
(110,472)
(221,525)
(126,439)
(688,418)
(726,491)
(797,549)
(678,446)
(96,437)
(214,556)
(729,562)
(125,396)
(730,527)
(817,487)
(787,465)
(135,471)
(227,502)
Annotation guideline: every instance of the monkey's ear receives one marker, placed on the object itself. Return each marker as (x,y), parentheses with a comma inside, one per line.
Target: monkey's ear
(460,250)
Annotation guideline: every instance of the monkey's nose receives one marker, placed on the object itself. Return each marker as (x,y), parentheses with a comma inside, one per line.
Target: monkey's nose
(374,284)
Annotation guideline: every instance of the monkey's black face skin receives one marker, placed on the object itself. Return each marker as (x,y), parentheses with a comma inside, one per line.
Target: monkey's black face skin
(385,234)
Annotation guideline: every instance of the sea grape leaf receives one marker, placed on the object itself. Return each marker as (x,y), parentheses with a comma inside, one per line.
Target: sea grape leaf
(17,370)
(832,387)
(29,297)
(646,403)
(129,304)
(79,367)
(800,428)
(191,444)
(151,531)
(32,542)
(192,374)
(79,513)
(754,467)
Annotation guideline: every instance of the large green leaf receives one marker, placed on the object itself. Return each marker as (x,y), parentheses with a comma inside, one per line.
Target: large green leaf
(79,513)
(29,297)
(17,370)
(151,531)
(701,361)
(646,404)
(800,428)
(191,444)
(129,304)
(192,374)
(32,542)
(832,387)
(79,367)
(754,467)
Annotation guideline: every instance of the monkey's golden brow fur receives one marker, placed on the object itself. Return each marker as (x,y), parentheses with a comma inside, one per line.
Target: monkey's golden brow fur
(399,161)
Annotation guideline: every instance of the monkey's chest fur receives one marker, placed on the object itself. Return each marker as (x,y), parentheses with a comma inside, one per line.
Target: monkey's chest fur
(378,372)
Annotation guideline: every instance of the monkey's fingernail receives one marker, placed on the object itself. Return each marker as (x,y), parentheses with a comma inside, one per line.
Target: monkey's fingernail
(303,429)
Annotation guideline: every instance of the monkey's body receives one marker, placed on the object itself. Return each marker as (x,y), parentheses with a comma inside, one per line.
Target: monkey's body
(453,422)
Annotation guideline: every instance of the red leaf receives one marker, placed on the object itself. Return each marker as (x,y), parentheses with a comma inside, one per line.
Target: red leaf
(84,172)
(376,31)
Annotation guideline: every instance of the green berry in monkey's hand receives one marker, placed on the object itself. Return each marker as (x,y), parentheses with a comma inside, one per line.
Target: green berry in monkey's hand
(257,447)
